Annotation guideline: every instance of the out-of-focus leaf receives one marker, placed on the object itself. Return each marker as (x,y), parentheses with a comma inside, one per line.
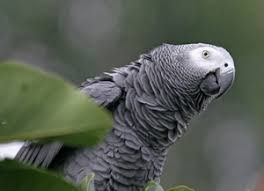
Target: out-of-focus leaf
(180,188)
(37,105)
(153,186)
(17,177)
(87,183)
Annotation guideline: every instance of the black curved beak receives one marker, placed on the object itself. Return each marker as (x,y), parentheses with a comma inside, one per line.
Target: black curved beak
(226,80)
(217,83)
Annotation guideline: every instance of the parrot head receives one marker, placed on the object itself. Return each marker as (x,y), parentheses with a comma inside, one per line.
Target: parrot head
(198,73)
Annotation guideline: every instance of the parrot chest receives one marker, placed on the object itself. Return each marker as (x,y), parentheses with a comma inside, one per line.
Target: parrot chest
(117,165)
(122,161)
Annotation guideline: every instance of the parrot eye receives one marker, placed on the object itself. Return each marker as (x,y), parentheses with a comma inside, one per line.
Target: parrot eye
(205,54)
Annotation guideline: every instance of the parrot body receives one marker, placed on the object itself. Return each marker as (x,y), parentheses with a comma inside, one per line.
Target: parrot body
(152,100)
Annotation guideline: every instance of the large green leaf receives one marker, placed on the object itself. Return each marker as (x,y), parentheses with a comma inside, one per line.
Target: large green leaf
(37,105)
(181,188)
(17,177)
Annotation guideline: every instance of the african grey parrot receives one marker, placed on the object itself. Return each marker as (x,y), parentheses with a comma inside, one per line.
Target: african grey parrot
(152,100)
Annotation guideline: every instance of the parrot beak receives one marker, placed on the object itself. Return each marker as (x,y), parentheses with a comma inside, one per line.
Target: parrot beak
(226,80)
(217,82)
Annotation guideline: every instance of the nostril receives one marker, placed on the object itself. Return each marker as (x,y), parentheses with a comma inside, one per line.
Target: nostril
(226,65)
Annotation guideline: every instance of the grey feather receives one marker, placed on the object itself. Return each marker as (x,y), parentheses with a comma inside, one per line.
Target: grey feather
(38,154)
(103,93)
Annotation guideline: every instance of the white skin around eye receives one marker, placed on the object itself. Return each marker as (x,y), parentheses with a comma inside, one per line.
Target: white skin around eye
(213,59)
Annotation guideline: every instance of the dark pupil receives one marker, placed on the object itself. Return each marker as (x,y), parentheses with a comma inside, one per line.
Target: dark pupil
(205,53)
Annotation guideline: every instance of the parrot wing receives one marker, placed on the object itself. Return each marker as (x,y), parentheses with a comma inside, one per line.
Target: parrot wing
(103,91)
(39,155)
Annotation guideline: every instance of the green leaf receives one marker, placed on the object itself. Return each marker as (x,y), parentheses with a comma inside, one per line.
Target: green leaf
(17,177)
(180,188)
(153,186)
(37,105)
(87,183)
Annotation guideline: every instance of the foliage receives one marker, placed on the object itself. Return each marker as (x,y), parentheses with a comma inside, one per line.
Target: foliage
(87,183)
(36,105)
(17,177)
(181,188)
(153,186)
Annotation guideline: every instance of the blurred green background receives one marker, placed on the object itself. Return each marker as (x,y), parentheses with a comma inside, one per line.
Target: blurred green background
(82,38)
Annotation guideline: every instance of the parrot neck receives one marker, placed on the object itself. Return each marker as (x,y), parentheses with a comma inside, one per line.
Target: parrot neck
(157,113)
